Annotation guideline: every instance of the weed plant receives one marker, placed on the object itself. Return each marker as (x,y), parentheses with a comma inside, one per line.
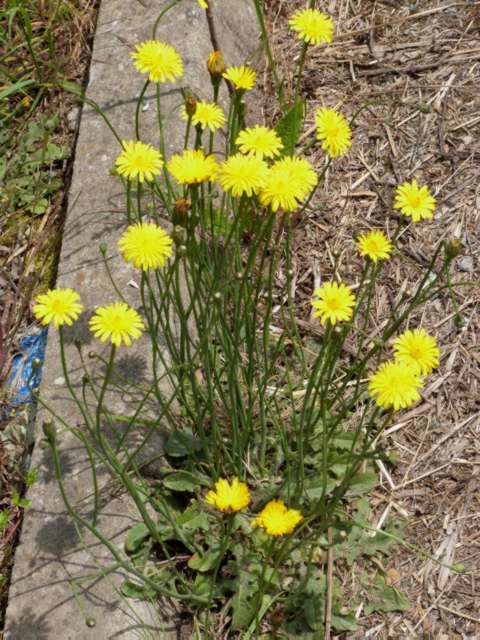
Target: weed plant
(272,440)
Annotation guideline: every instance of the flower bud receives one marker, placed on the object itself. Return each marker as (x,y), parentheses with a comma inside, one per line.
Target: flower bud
(49,431)
(180,211)
(216,65)
(452,248)
(178,235)
(190,105)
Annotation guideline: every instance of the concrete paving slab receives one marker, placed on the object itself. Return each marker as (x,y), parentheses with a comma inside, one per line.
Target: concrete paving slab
(57,591)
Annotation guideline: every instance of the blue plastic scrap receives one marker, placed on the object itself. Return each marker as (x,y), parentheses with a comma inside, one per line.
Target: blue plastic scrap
(26,370)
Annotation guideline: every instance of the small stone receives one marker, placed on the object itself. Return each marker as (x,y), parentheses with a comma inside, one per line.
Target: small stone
(72,118)
(466,264)
(59,381)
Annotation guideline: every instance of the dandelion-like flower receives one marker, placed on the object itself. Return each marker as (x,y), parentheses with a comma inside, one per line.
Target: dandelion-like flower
(192,167)
(374,245)
(207,114)
(415,202)
(242,78)
(161,61)
(139,160)
(289,181)
(117,322)
(312,26)
(145,245)
(334,302)
(241,174)
(60,306)
(259,141)
(227,497)
(395,385)
(277,519)
(417,349)
(334,131)
(203,4)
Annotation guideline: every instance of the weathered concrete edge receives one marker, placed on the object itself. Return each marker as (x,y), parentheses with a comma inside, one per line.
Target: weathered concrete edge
(48,559)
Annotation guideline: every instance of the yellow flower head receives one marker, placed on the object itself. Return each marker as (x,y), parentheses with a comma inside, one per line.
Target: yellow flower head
(395,385)
(58,305)
(334,131)
(203,4)
(418,350)
(242,78)
(229,497)
(415,202)
(313,26)
(146,245)
(375,245)
(259,141)
(159,60)
(241,174)
(116,321)
(138,160)
(277,519)
(289,181)
(207,114)
(192,167)
(335,302)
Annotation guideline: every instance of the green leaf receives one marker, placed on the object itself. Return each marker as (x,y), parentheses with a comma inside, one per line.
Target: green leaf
(20,502)
(192,520)
(4,519)
(135,537)
(343,622)
(383,598)
(362,483)
(185,481)
(13,88)
(244,602)
(290,126)
(205,562)
(139,591)
(31,477)
(182,443)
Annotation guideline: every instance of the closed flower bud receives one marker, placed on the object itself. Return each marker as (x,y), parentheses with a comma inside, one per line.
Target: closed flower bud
(453,248)
(216,65)
(190,106)
(49,431)
(180,211)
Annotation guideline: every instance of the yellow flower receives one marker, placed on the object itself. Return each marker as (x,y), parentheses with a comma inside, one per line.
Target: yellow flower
(334,130)
(229,497)
(335,302)
(375,245)
(138,160)
(289,181)
(207,114)
(418,350)
(259,141)
(313,26)
(243,78)
(146,245)
(203,4)
(415,202)
(192,167)
(242,174)
(395,385)
(116,321)
(277,519)
(58,305)
(159,60)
